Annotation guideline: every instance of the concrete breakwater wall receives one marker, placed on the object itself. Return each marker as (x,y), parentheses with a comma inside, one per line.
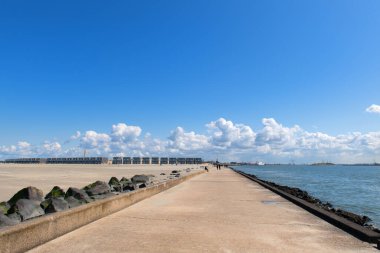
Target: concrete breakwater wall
(360,232)
(32,233)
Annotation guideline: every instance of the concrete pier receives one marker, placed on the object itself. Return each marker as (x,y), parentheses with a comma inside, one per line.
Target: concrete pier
(219,211)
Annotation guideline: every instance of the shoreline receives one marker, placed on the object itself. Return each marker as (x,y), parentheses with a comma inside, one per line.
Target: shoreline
(352,223)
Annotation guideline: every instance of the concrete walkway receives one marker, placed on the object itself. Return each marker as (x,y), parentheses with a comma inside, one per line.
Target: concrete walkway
(220,211)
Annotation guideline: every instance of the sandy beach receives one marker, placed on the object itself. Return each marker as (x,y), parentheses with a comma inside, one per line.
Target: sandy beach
(13,177)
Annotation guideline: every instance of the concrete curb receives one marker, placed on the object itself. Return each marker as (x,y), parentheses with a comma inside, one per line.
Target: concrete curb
(30,234)
(350,227)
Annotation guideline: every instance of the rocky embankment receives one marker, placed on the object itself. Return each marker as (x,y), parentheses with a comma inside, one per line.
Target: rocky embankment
(304,195)
(30,202)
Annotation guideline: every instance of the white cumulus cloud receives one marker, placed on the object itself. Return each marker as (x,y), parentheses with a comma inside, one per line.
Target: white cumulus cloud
(225,133)
(125,133)
(373,109)
(92,139)
(179,140)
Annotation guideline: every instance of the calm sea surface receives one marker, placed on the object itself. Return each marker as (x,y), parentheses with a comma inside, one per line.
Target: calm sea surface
(352,188)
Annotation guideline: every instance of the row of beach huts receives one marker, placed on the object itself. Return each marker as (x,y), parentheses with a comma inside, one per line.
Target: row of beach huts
(105,160)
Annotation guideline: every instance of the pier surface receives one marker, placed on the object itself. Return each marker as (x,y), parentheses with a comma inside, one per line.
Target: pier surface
(219,211)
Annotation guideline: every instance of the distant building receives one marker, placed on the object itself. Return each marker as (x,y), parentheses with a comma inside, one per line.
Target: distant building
(164,160)
(127,160)
(172,160)
(181,160)
(61,160)
(198,160)
(78,160)
(104,160)
(26,160)
(136,160)
(117,160)
(155,160)
(146,160)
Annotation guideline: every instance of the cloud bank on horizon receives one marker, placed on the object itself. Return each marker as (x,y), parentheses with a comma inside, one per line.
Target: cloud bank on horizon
(223,138)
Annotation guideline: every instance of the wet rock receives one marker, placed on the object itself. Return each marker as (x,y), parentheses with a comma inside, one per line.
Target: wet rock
(73,202)
(174,172)
(56,192)
(31,193)
(78,194)
(55,205)
(27,209)
(4,207)
(97,188)
(142,179)
(358,219)
(5,221)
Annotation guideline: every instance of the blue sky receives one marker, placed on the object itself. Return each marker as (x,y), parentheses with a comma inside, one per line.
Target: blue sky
(84,66)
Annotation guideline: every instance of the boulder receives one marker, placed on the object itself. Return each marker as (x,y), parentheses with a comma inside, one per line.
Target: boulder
(31,193)
(115,184)
(97,188)
(113,181)
(142,179)
(73,202)
(358,219)
(124,179)
(27,209)
(141,186)
(55,205)
(44,204)
(56,192)
(5,221)
(129,186)
(78,194)
(4,207)
(15,217)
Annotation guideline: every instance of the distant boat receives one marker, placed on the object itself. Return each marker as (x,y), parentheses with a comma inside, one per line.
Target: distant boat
(260,163)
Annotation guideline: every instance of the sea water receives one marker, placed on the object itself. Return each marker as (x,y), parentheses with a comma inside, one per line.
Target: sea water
(352,188)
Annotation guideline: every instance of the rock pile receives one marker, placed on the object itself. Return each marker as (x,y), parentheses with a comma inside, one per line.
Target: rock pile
(30,202)
(304,195)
